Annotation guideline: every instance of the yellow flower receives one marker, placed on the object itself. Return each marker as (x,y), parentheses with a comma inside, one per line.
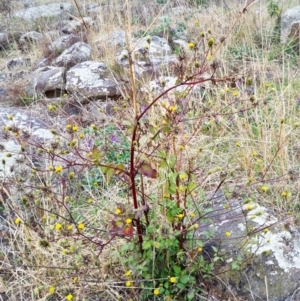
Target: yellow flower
(191,45)
(227,233)
(10,117)
(69,297)
(172,279)
(197,23)
(128,283)
(69,227)
(75,279)
(266,230)
(90,201)
(226,206)
(238,144)
(156,291)
(196,226)
(58,227)
(74,128)
(173,108)
(254,154)
(51,289)
(128,273)
(181,147)
(69,126)
(80,226)
(264,188)
(18,221)
(58,169)
(235,93)
(200,249)
(192,214)
(248,207)
(180,216)
(71,175)
(209,57)
(164,122)
(118,211)
(284,194)
(81,135)
(128,221)
(51,107)
(182,176)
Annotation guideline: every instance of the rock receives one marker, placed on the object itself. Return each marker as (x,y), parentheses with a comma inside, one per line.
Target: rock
(290,24)
(90,80)
(111,42)
(115,39)
(25,123)
(47,81)
(61,10)
(44,62)
(157,47)
(62,43)
(149,58)
(179,43)
(270,247)
(17,62)
(93,7)
(28,3)
(29,38)
(75,26)
(77,53)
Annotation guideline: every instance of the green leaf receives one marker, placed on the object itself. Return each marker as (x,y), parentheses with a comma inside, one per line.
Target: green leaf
(163,163)
(184,279)
(215,249)
(191,186)
(109,173)
(191,294)
(235,266)
(170,216)
(172,189)
(172,161)
(177,269)
(147,245)
(181,286)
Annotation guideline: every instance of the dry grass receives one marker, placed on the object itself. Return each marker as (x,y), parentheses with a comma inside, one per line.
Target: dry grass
(255,147)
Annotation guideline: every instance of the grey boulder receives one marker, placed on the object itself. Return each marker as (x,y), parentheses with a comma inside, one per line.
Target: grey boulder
(23,123)
(75,26)
(46,80)
(290,24)
(90,80)
(60,10)
(258,249)
(77,53)
(62,43)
